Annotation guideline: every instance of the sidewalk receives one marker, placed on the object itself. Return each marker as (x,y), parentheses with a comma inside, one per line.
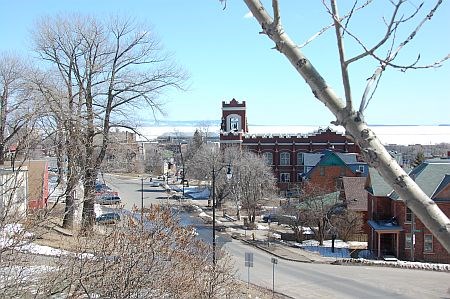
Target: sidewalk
(259,239)
(255,237)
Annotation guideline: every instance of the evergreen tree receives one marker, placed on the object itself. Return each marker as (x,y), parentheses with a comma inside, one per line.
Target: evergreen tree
(420,157)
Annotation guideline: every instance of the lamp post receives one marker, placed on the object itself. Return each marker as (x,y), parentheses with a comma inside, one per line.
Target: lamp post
(229,176)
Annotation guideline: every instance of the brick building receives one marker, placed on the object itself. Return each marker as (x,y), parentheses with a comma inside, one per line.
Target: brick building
(394,229)
(288,154)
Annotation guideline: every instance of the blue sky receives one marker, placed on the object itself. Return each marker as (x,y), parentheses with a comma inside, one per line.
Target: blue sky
(227,58)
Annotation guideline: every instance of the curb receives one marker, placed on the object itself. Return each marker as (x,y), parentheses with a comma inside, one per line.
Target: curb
(398,264)
(274,254)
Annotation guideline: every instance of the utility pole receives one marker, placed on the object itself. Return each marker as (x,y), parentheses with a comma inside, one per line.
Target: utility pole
(142,202)
(413,239)
(214,213)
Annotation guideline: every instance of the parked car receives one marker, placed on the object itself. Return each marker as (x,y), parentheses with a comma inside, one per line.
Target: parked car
(108,218)
(270,217)
(155,184)
(281,219)
(108,199)
(176,196)
(101,188)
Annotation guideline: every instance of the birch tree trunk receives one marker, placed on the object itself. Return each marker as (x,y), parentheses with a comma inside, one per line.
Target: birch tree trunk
(372,149)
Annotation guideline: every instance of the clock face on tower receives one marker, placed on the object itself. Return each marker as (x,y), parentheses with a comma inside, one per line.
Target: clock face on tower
(234,123)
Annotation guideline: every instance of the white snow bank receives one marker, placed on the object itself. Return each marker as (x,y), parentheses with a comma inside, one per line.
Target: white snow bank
(261,227)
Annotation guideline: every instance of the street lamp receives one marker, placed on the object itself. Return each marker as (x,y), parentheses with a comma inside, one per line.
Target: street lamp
(229,176)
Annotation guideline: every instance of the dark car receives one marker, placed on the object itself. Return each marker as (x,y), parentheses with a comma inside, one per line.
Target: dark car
(101,188)
(270,217)
(108,218)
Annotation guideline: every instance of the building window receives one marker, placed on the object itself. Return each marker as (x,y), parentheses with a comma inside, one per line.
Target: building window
(285,177)
(234,123)
(322,170)
(268,157)
(428,243)
(408,240)
(408,215)
(299,176)
(299,158)
(285,158)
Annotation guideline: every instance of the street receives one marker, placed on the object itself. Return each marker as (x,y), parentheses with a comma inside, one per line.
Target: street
(308,280)
(131,191)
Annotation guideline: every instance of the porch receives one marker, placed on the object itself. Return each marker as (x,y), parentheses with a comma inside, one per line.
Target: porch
(385,237)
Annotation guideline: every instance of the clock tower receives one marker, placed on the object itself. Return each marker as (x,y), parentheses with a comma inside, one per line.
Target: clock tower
(234,123)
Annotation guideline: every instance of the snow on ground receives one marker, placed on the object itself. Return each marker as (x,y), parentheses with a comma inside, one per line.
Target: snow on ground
(41,249)
(326,243)
(204,215)
(14,235)
(261,227)
(199,194)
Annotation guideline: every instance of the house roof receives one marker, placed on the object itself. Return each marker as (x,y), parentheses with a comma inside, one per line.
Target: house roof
(330,158)
(430,176)
(328,199)
(311,159)
(444,183)
(385,226)
(348,158)
(378,186)
(355,193)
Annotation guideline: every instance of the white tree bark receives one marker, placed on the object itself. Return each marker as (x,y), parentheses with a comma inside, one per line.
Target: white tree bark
(372,150)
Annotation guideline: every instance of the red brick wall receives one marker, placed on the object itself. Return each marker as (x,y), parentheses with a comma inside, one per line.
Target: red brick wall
(331,175)
(444,193)
(438,255)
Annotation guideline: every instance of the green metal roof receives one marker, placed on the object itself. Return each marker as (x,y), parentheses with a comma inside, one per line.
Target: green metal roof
(430,175)
(378,186)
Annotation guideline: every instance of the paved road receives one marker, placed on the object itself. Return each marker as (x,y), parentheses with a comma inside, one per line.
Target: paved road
(131,191)
(304,280)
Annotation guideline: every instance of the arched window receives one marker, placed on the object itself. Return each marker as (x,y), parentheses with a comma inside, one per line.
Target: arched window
(234,123)
(285,158)
(268,157)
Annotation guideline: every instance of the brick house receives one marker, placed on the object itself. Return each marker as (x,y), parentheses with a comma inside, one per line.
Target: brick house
(285,153)
(355,195)
(332,167)
(394,229)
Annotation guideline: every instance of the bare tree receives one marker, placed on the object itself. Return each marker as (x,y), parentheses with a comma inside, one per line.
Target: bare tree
(60,122)
(15,103)
(109,69)
(347,224)
(353,120)
(252,182)
(153,160)
(162,260)
(210,164)
(315,209)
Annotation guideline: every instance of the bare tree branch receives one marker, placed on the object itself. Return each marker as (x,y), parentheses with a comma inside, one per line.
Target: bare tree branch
(372,149)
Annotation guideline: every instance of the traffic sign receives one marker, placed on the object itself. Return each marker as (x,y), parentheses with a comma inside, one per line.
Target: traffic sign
(249,259)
